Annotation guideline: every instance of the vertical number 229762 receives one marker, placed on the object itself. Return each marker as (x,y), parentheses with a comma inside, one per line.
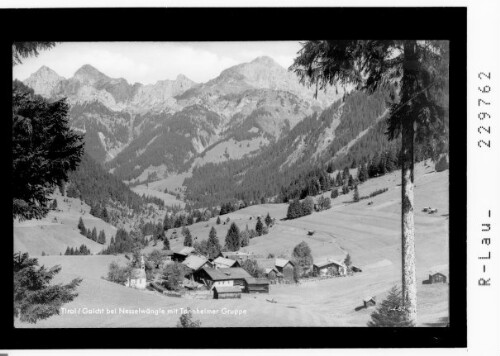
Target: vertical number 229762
(482,102)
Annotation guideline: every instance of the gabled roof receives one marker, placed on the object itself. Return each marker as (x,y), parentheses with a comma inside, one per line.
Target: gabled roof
(443,269)
(281,262)
(326,263)
(186,251)
(225,261)
(269,269)
(195,262)
(226,274)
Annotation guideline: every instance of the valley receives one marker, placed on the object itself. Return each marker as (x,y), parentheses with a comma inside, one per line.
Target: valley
(374,246)
(266,195)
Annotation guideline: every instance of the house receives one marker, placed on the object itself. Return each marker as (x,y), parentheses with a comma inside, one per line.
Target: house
(436,277)
(285,267)
(437,274)
(329,267)
(227,292)
(256,285)
(182,254)
(137,278)
(221,262)
(222,277)
(195,263)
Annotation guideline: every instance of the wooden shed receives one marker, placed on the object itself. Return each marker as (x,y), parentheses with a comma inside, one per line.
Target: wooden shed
(285,267)
(230,292)
(256,285)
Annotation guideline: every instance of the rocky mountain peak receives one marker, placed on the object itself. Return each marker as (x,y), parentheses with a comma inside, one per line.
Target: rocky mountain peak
(89,74)
(44,81)
(265,60)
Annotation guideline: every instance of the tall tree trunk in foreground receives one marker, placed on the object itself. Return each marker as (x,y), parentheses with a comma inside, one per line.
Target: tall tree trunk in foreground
(407,221)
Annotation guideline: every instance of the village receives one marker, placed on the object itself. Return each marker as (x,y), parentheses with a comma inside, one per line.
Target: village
(223,277)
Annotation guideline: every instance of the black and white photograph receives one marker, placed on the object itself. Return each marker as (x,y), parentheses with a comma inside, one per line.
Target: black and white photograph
(265,184)
(230,184)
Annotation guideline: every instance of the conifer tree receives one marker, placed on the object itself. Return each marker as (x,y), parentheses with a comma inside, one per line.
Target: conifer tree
(81,227)
(259,227)
(35,298)
(335,193)
(167,222)
(94,234)
(390,313)
(188,239)
(218,220)
(338,180)
(102,237)
(214,248)
(105,215)
(233,238)
(166,243)
(268,220)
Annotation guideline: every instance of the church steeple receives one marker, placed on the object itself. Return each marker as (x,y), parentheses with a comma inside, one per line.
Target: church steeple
(142,263)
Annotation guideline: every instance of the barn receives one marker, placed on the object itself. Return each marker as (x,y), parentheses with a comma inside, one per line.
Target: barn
(329,268)
(256,285)
(285,267)
(221,262)
(195,263)
(181,255)
(229,292)
(222,277)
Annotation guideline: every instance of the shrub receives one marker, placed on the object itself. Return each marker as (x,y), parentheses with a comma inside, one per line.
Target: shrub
(356,194)
(379,191)
(324,203)
(186,321)
(307,206)
(252,267)
(118,274)
(303,257)
(173,275)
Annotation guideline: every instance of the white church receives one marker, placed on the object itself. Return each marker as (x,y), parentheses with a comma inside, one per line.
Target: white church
(137,277)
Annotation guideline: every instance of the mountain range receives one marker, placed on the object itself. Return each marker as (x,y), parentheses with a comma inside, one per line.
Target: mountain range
(136,130)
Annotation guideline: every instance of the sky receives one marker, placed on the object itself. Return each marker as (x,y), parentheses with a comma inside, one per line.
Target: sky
(148,62)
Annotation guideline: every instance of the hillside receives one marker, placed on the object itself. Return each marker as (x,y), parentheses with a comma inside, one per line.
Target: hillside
(374,246)
(54,233)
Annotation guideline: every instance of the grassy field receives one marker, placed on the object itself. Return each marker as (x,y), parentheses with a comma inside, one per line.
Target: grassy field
(371,234)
